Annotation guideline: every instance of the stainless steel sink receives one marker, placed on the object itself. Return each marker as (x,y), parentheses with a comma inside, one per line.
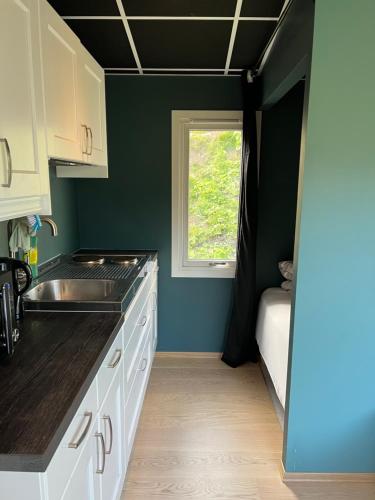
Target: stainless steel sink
(72,290)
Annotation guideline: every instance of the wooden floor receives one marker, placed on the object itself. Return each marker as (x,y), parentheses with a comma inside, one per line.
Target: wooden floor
(210,432)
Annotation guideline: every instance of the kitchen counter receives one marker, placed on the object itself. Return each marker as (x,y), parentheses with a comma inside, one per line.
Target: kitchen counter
(128,280)
(43,384)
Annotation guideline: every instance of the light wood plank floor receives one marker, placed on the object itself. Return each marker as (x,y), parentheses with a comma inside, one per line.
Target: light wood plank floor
(210,432)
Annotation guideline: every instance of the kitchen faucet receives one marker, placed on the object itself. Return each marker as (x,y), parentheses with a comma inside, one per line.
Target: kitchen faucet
(43,218)
(51,223)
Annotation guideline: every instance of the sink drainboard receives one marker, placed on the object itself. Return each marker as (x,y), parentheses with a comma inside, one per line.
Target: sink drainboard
(103,271)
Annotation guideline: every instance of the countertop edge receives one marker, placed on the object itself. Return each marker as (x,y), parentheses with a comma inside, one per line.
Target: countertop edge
(40,463)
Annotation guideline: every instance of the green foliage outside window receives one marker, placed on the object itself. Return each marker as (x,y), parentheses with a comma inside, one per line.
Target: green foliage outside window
(214,182)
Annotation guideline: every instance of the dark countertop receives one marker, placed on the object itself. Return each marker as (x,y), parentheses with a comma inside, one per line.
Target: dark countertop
(45,381)
(43,384)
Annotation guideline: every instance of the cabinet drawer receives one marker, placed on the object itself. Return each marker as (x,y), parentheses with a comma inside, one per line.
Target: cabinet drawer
(136,306)
(72,444)
(135,346)
(134,404)
(109,367)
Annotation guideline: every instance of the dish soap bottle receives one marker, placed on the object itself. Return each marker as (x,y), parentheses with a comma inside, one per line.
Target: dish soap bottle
(32,256)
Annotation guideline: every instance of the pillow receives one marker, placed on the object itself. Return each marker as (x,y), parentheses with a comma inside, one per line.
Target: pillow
(287,285)
(286,269)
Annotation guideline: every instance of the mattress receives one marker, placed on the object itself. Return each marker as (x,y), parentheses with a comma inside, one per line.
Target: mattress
(272,334)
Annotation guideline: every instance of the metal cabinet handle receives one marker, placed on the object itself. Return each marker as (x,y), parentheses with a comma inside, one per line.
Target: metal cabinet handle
(9,162)
(100,437)
(218,264)
(75,444)
(116,360)
(107,418)
(86,143)
(90,132)
(143,365)
(143,321)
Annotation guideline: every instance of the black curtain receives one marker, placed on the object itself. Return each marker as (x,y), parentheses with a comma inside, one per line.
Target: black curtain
(240,344)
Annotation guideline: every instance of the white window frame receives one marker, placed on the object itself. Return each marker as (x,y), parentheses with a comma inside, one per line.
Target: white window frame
(182,122)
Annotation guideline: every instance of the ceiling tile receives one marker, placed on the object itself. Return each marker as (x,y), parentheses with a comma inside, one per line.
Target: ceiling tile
(182,44)
(85,7)
(261,8)
(194,8)
(106,41)
(252,37)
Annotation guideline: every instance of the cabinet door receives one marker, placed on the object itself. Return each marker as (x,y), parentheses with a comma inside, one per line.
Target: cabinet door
(154,312)
(92,111)
(111,426)
(84,483)
(23,155)
(60,49)
(135,400)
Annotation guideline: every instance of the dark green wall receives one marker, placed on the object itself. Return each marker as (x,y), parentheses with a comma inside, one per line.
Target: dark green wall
(132,209)
(278,184)
(64,211)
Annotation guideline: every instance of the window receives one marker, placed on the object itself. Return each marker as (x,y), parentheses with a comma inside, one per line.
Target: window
(206,172)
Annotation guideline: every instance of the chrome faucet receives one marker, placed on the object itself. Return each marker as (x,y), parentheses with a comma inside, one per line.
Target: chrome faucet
(51,223)
(43,218)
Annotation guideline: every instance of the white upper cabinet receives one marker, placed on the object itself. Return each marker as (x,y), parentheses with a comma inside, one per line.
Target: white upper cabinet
(52,105)
(92,108)
(75,100)
(60,51)
(24,181)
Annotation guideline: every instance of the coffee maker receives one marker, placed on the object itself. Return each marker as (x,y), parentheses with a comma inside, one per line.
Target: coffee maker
(21,280)
(9,333)
(15,279)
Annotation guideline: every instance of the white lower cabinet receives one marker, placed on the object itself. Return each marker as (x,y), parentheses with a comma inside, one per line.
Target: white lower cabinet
(111,436)
(154,297)
(134,405)
(85,482)
(91,460)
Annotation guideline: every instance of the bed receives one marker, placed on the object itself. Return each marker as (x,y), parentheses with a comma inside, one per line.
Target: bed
(272,334)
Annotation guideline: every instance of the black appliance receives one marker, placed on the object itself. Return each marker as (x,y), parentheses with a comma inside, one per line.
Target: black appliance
(9,334)
(21,278)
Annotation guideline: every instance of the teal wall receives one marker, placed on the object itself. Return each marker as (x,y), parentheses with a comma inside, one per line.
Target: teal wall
(278,181)
(64,211)
(331,416)
(132,209)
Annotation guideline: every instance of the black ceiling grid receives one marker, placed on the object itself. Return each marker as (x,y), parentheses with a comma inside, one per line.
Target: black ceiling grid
(249,43)
(85,7)
(199,37)
(181,44)
(191,8)
(106,40)
(259,8)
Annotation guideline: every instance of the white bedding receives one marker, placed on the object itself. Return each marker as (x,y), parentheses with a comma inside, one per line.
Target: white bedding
(272,334)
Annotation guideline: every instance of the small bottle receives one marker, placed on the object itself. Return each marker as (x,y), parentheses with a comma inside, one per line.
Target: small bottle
(33,256)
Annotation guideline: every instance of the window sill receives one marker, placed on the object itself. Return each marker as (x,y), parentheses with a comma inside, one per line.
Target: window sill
(203,272)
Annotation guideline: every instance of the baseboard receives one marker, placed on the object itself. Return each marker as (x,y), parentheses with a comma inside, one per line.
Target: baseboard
(320,477)
(182,354)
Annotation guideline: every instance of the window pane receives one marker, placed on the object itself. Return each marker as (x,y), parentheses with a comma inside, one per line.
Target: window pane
(213,199)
